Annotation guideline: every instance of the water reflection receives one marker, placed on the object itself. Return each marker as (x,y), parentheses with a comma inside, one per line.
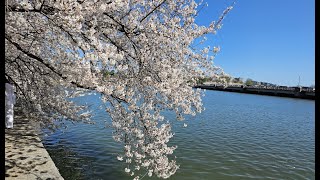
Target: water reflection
(239,136)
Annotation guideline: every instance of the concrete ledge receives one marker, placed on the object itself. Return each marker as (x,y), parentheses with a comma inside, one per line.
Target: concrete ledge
(25,156)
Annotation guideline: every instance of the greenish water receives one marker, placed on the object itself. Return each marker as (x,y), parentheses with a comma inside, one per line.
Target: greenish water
(238,136)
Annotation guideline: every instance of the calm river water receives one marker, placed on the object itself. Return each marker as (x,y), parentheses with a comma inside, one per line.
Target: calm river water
(238,136)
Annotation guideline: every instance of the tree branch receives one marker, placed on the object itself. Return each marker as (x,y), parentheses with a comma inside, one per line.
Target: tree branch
(152,11)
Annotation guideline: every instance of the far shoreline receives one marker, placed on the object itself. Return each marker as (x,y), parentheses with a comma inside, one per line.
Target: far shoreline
(291,93)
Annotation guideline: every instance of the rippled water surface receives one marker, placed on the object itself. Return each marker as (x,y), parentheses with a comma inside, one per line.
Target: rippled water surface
(238,136)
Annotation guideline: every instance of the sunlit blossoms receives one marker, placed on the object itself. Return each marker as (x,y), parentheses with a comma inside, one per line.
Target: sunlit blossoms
(139,55)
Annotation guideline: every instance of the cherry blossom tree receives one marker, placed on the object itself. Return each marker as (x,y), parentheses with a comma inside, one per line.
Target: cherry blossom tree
(139,55)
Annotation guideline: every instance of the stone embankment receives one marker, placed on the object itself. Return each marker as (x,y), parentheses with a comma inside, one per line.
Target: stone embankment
(25,156)
(293,92)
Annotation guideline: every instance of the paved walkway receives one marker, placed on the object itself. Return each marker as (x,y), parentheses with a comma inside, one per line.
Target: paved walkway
(25,156)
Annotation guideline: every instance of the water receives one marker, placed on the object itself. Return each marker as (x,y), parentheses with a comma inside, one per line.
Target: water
(238,136)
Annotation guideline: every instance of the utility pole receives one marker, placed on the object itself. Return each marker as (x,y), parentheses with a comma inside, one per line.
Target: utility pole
(299,81)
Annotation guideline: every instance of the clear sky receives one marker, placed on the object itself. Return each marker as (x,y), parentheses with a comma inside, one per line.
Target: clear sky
(265,40)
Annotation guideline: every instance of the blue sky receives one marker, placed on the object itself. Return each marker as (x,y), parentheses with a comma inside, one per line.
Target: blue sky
(265,40)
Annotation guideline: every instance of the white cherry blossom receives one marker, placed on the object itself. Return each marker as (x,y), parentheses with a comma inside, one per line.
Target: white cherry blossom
(139,56)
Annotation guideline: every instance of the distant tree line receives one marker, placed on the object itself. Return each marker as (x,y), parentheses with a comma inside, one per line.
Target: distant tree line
(226,79)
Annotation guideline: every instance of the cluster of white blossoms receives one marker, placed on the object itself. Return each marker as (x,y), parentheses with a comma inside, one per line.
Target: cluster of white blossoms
(138,54)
